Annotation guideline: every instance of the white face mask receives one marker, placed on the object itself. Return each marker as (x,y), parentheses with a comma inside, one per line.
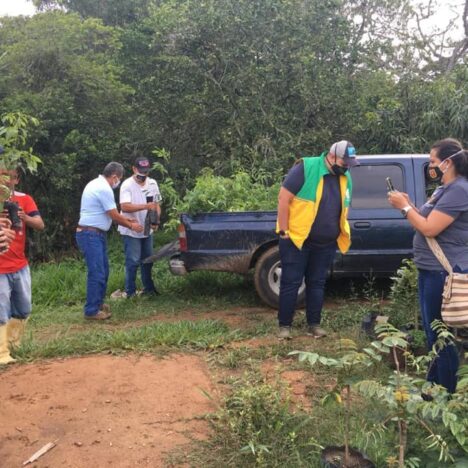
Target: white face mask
(450,157)
(115,185)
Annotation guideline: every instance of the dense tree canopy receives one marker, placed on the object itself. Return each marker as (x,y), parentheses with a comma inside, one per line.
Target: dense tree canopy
(225,84)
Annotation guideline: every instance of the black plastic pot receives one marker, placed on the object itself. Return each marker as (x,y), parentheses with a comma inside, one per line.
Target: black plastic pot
(368,323)
(370,320)
(333,457)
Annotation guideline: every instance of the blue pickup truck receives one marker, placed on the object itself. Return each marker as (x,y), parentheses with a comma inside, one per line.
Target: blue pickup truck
(244,241)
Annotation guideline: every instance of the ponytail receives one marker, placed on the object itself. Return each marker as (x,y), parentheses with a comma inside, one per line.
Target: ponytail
(460,161)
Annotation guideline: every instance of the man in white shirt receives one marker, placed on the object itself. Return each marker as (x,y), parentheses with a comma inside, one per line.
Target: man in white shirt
(138,195)
(98,210)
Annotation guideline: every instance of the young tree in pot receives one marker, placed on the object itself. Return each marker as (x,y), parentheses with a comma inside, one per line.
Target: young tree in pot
(401,393)
(13,140)
(13,149)
(349,360)
(404,297)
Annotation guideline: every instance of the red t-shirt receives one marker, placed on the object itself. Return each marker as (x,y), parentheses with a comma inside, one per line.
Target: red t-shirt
(14,258)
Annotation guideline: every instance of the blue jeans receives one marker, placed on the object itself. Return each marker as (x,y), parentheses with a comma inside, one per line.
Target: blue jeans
(443,369)
(136,250)
(310,263)
(15,295)
(93,246)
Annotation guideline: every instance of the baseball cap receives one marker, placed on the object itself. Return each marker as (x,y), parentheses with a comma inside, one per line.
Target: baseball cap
(345,150)
(142,164)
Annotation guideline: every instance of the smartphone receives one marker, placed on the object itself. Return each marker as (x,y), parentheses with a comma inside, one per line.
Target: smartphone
(390,186)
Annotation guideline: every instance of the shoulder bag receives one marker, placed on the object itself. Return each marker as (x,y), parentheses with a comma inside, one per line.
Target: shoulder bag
(455,296)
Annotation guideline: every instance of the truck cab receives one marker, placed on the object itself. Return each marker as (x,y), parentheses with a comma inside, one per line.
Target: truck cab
(241,241)
(381,237)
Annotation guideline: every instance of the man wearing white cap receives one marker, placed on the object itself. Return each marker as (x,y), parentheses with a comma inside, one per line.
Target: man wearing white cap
(138,195)
(312,223)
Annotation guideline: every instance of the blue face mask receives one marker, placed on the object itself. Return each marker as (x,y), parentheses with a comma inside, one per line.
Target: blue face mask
(141,177)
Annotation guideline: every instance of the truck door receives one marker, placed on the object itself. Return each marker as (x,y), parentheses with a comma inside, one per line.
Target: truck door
(381,237)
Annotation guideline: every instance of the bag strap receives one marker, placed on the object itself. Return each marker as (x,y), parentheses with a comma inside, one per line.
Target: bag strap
(439,253)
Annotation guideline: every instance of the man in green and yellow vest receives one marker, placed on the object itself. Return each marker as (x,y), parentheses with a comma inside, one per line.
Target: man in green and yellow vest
(312,223)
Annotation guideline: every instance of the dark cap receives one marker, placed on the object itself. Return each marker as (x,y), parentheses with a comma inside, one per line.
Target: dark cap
(345,150)
(142,164)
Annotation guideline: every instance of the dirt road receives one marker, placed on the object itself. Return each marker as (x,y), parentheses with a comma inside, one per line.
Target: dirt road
(104,410)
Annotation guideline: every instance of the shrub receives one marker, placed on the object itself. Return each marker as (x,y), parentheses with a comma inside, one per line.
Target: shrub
(217,193)
(256,427)
(404,295)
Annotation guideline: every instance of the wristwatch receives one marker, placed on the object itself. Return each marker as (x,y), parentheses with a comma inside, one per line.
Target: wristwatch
(404,211)
(283,233)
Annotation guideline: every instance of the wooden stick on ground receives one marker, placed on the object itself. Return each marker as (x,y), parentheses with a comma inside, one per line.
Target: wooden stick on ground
(41,452)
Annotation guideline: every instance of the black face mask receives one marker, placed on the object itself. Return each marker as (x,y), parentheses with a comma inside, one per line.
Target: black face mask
(140,177)
(434,174)
(337,170)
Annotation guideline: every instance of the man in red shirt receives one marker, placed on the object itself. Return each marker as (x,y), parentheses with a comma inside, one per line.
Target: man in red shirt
(15,277)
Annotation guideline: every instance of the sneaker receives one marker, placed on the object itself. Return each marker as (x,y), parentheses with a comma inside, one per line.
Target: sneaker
(316,331)
(284,333)
(101,315)
(105,308)
(118,294)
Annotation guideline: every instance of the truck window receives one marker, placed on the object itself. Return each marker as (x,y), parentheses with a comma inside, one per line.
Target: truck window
(430,185)
(369,186)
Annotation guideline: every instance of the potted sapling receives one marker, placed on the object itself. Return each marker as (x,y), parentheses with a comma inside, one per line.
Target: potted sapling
(349,359)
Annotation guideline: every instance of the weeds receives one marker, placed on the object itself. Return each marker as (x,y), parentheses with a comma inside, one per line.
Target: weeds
(203,334)
(256,427)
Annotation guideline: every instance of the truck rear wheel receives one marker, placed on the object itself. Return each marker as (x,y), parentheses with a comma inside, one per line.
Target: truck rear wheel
(267,279)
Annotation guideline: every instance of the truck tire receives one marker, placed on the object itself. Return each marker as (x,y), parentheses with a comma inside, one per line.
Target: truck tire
(267,279)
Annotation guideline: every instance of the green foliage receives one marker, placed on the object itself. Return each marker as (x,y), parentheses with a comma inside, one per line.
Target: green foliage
(216,193)
(404,296)
(116,12)
(256,427)
(13,139)
(349,359)
(443,419)
(61,69)
(238,87)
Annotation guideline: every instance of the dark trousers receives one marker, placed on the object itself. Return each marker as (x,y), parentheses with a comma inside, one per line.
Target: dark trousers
(311,264)
(443,370)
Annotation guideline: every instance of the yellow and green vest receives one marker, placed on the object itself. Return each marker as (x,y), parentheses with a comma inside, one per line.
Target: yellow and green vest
(304,206)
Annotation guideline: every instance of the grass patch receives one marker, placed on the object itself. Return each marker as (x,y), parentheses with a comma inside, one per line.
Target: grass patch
(256,427)
(203,334)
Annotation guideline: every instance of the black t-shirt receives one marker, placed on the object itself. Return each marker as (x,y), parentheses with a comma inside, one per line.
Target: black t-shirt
(326,227)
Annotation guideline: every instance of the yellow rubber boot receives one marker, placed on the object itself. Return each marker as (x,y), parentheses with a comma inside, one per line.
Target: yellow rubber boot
(15,331)
(5,357)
